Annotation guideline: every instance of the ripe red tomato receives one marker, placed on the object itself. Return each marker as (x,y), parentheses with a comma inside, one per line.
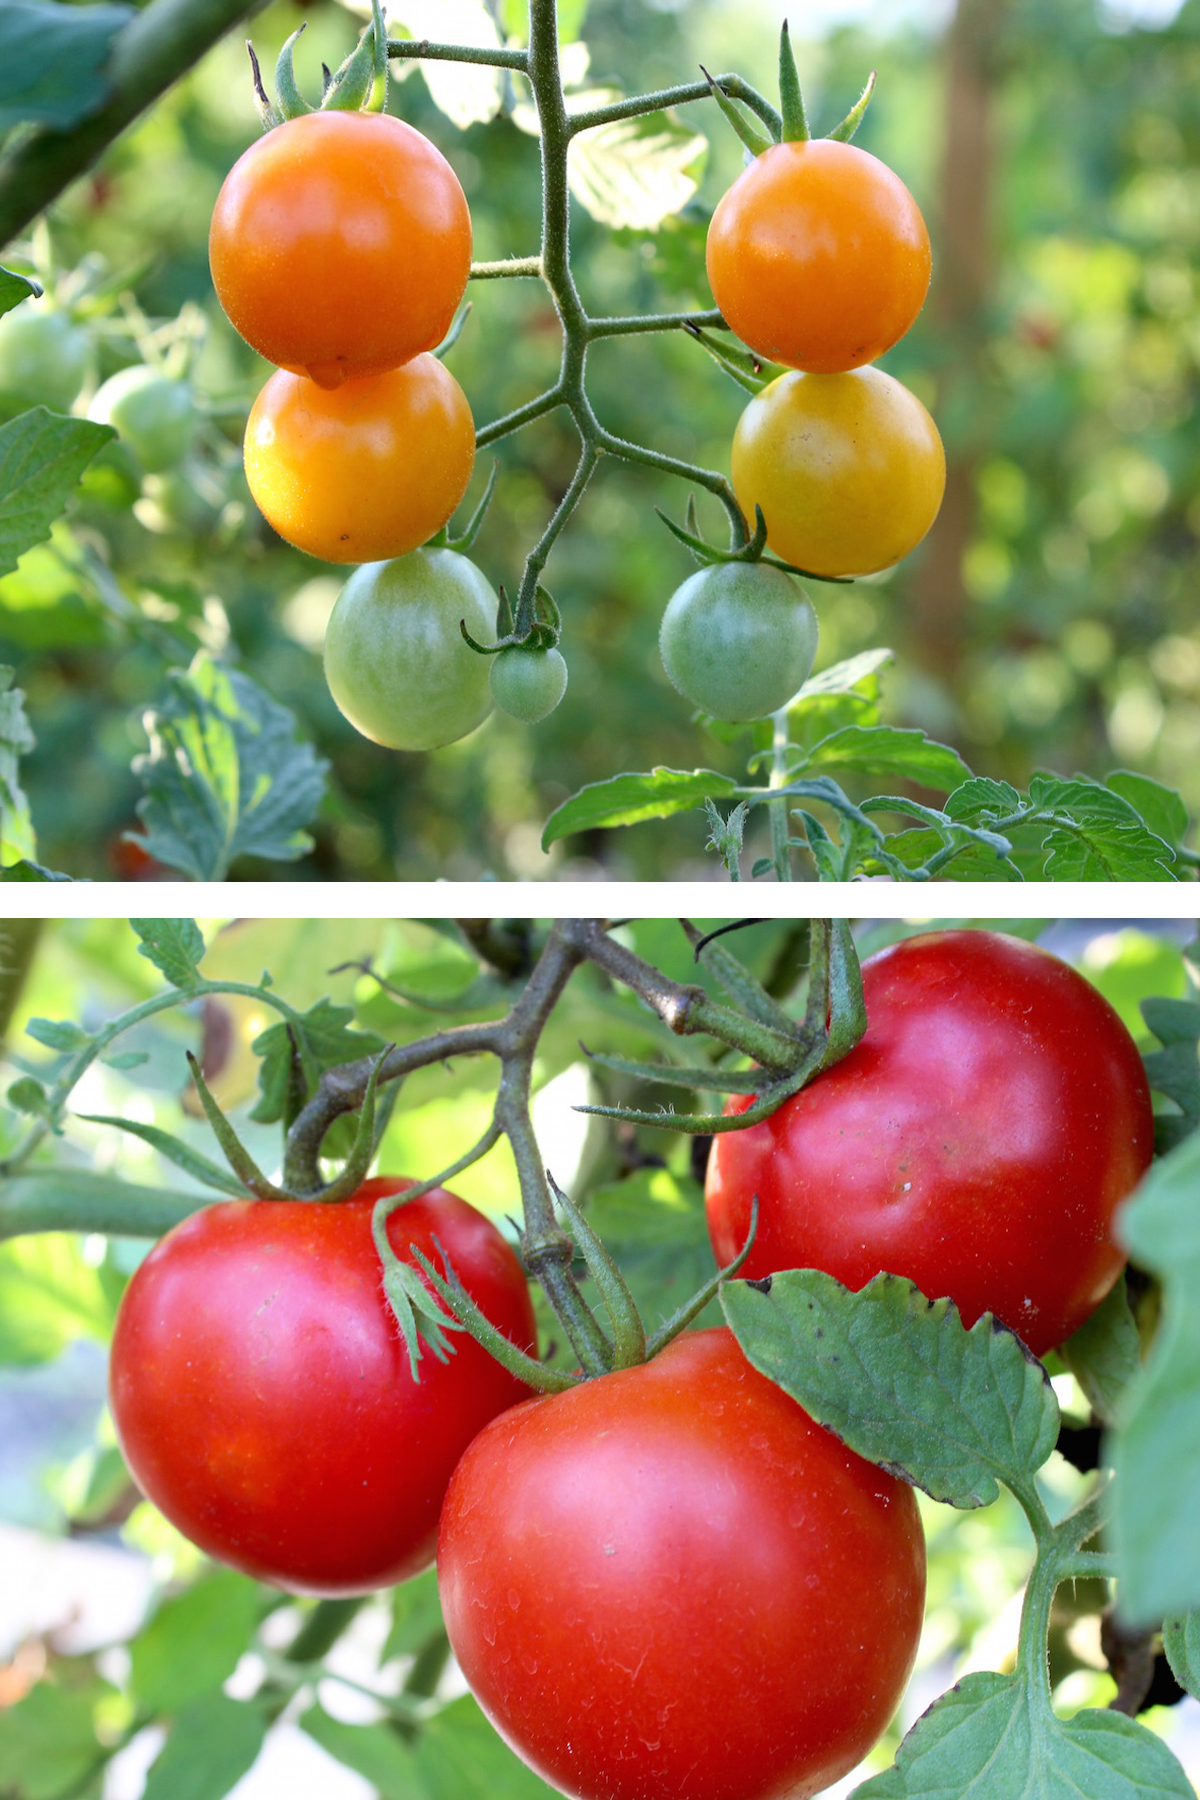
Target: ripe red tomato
(340,245)
(669,1580)
(363,472)
(262,1394)
(977,1141)
(818,256)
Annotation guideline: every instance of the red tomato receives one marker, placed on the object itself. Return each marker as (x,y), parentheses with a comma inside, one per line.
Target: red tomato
(262,1393)
(818,256)
(340,245)
(977,1141)
(670,1581)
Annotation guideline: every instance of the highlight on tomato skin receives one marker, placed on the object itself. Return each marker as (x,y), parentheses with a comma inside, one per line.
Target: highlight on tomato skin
(340,245)
(977,1141)
(594,1546)
(262,1393)
(365,471)
(818,256)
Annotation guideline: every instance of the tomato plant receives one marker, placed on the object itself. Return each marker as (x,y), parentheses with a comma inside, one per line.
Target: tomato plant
(528,683)
(43,356)
(818,256)
(593,1543)
(340,244)
(263,1397)
(395,658)
(848,470)
(978,1141)
(365,471)
(155,415)
(738,639)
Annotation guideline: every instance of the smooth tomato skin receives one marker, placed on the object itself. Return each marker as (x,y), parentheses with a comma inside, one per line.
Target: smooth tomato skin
(365,471)
(395,659)
(340,245)
(818,256)
(738,639)
(43,356)
(849,470)
(977,1141)
(262,1394)
(593,1543)
(528,684)
(155,415)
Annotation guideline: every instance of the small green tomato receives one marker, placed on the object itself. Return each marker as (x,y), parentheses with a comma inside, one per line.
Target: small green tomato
(155,415)
(738,639)
(528,683)
(43,356)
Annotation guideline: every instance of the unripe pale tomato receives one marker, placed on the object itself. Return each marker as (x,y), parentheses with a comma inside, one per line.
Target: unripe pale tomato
(365,471)
(43,356)
(395,659)
(340,245)
(818,256)
(155,415)
(738,639)
(670,1581)
(262,1393)
(849,470)
(978,1141)
(528,683)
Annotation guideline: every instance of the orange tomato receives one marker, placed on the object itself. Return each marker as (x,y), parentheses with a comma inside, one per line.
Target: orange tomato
(849,470)
(340,245)
(818,256)
(363,472)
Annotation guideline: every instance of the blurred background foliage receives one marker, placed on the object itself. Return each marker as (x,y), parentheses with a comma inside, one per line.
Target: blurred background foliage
(1049,621)
(118,1638)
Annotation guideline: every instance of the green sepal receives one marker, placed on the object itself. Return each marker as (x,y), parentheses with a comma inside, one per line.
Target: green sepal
(751,372)
(455,332)
(470,1319)
(470,531)
(753,550)
(266,112)
(691,1309)
(841,134)
(236,1154)
(354,81)
(628,1332)
(756,141)
(362,1151)
(791,98)
(415,1309)
(288,98)
(543,634)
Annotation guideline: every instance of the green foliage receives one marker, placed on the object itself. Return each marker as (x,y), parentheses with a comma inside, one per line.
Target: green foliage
(193,1642)
(40,40)
(42,457)
(174,946)
(14,288)
(1104,1354)
(17,842)
(213,1743)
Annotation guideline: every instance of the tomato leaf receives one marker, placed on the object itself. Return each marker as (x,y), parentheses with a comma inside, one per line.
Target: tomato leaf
(1160,807)
(39,39)
(30,871)
(459,1753)
(636,172)
(468,93)
(992,1738)
(48,1297)
(17,843)
(48,1742)
(14,288)
(174,946)
(1181,1641)
(1156,1451)
(1174,1071)
(373,1751)
(1104,1354)
(213,1744)
(631,799)
(324,1037)
(225,776)
(1096,835)
(416,1617)
(899,1379)
(42,456)
(888,750)
(194,1641)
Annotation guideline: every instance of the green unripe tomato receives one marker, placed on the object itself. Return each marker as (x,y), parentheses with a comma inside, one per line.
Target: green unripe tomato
(738,639)
(395,659)
(155,415)
(43,356)
(528,683)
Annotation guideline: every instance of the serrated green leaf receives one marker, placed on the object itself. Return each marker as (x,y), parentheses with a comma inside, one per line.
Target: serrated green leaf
(41,38)
(42,456)
(57,1034)
(49,1296)
(899,1380)
(325,1036)
(631,799)
(1156,1451)
(225,776)
(981,801)
(1160,807)
(14,288)
(637,172)
(30,871)
(1181,1641)
(193,1642)
(890,750)
(1104,1354)
(467,93)
(1095,835)
(174,946)
(214,1743)
(990,1738)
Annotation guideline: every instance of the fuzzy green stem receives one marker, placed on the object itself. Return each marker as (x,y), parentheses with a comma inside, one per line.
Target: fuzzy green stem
(624,327)
(425,49)
(734,85)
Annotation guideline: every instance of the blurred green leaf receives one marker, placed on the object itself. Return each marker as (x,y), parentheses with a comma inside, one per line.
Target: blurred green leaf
(1105,1353)
(416,1616)
(48,1741)
(213,1744)
(194,1641)
(1181,1641)
(174,946)
(42,456)
(636,172)
(458,1753)
(225,776)
(376,1752)
(14,288)
(17,842)
(48,1296)
(40,41)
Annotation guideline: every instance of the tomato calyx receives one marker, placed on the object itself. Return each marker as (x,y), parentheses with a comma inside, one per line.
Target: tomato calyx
(752,550)
(793,127)
(359,84)
(543,634)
